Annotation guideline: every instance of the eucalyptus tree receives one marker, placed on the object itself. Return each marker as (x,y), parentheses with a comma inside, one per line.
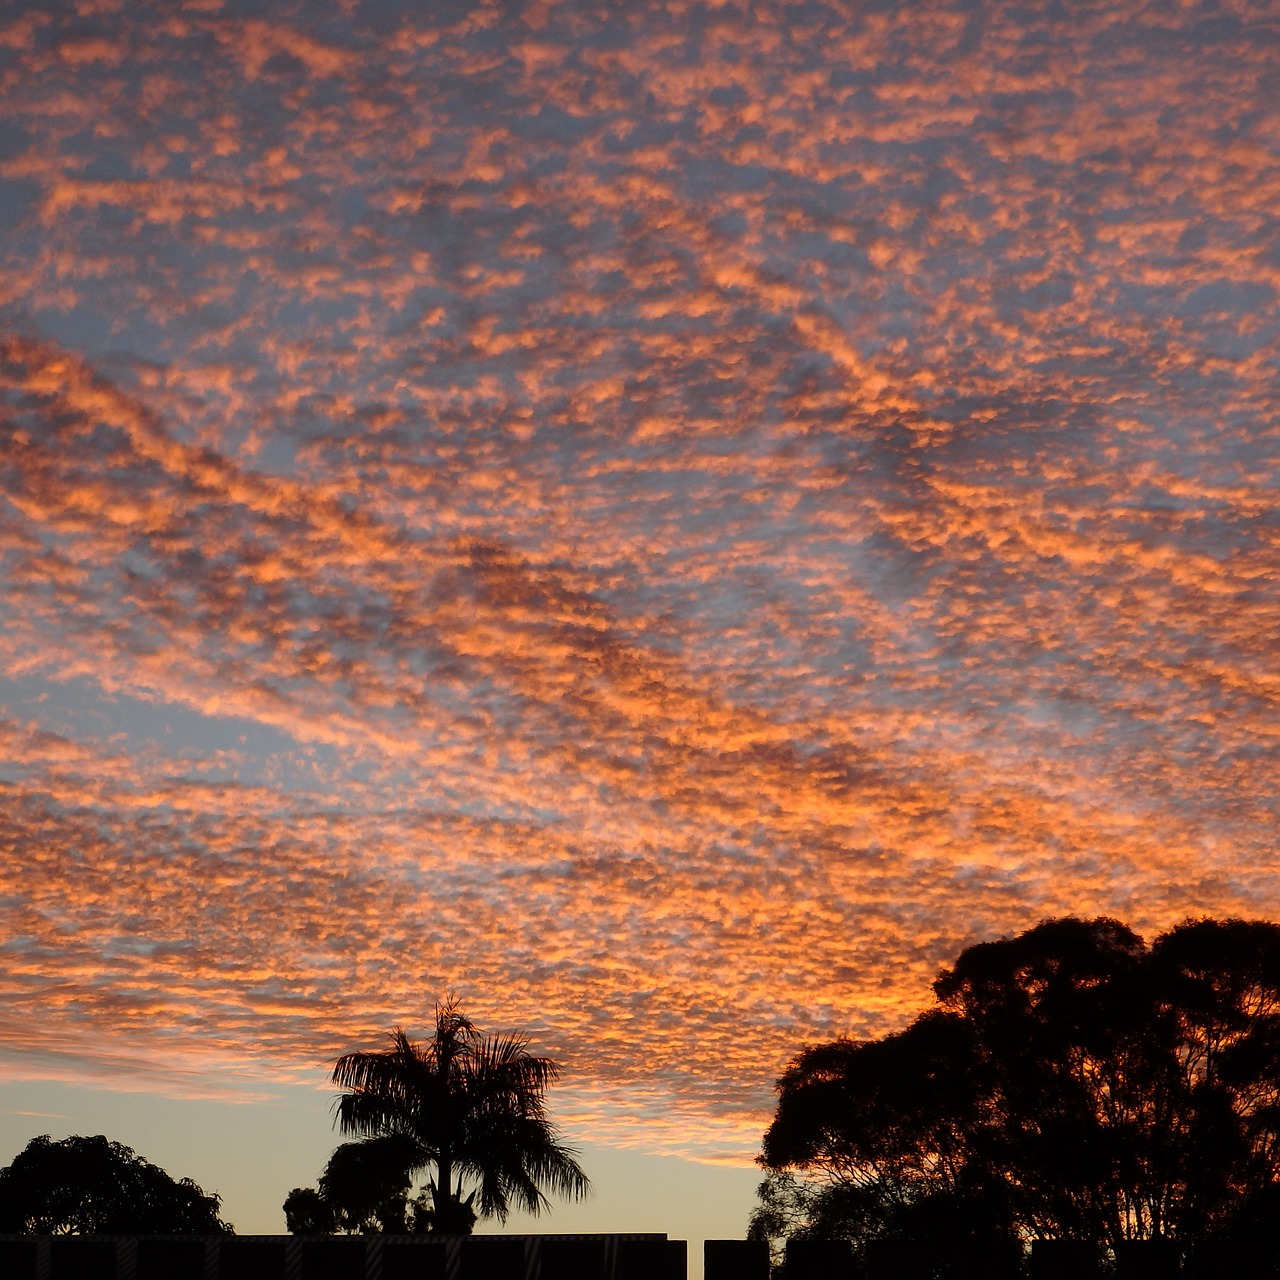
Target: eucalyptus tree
(1070,1082)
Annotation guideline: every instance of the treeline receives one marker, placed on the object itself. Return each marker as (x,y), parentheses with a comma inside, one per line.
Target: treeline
(1070,1083)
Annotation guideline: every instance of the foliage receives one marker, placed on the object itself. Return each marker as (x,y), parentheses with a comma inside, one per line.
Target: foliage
(465,1107)
(1070,1082)
(308,1213)
(368,1184)
(364,1188)
(88,1185)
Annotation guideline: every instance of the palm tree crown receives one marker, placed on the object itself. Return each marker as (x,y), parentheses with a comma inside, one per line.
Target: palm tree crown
(469,1106)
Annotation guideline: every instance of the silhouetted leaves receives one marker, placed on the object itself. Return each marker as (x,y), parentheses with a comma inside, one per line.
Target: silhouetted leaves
(1071,1082)
(366,1184)
(89,1185)
(308,1213)
(470,1109)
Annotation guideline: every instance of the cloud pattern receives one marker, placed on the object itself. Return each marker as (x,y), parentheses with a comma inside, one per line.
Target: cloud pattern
(670,519)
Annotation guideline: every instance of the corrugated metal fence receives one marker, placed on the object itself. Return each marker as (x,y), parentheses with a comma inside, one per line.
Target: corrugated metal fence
(597,1257)
(374,1257)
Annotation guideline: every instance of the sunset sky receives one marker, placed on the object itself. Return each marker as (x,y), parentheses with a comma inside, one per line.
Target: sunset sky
(668,519)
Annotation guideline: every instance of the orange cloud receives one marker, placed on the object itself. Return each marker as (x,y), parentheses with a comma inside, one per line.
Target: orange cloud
(671,523)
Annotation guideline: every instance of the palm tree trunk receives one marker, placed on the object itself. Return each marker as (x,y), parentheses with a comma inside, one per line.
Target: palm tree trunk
(443,1196)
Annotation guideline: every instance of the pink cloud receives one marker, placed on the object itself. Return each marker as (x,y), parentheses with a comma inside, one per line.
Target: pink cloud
(672,527)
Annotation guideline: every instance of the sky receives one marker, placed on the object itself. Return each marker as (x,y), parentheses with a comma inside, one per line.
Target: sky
(669,520)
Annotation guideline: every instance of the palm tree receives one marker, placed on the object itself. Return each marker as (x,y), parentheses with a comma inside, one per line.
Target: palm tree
(472,1108)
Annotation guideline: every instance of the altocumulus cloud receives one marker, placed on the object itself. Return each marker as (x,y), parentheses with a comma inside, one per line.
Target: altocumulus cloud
(670,518)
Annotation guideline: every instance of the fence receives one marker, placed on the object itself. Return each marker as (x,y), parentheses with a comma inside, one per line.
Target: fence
(1003,1260)
(376,1257)
(591,1257)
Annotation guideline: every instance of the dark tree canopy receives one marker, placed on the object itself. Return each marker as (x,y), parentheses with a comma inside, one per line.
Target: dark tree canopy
(464,1108)
(368,1184)
(308,1213)
(1071,1082)
(88,1185)
(364,1188)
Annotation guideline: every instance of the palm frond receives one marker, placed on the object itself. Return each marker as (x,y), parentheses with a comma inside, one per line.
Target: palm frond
(473,1102)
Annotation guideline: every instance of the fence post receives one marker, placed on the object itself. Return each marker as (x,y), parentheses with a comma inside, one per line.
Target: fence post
(735,1260)
(1064,1260)
(819,1260)
(898,1260)
(1148,1260)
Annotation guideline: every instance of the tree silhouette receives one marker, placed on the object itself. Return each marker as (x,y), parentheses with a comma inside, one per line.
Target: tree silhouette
(308,1213)
(366,1184)
(1071,1082)
(470,1109)
(89,1185)
(364,1188)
